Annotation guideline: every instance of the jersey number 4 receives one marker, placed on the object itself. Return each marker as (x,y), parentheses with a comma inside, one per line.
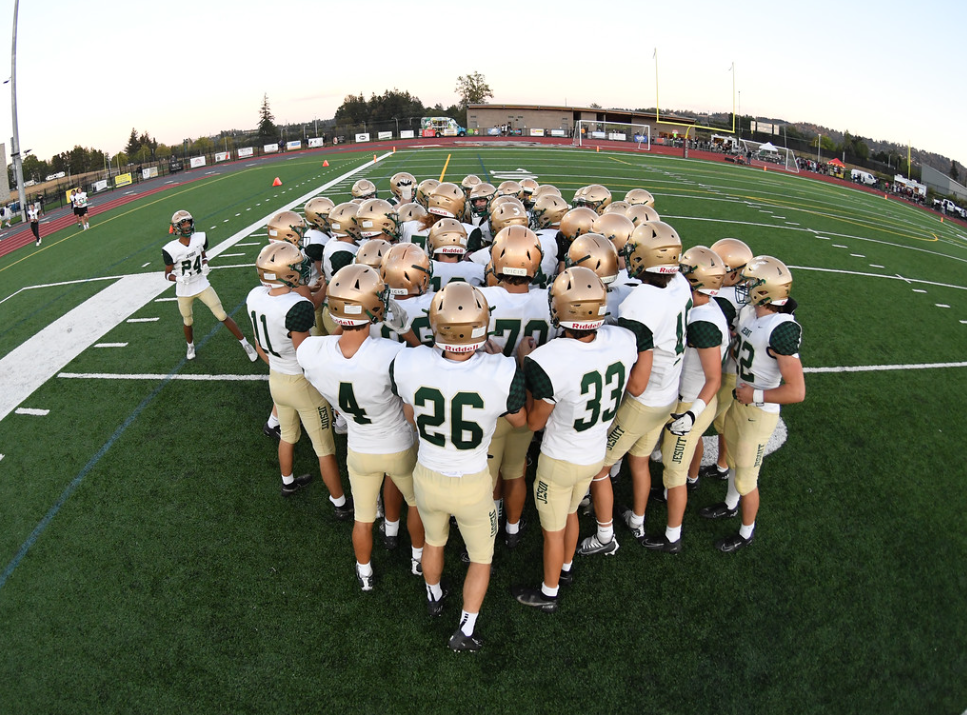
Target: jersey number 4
(464,434)
(349,406)
(187,267)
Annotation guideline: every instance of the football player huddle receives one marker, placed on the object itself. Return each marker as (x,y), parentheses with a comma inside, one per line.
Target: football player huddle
(460,327)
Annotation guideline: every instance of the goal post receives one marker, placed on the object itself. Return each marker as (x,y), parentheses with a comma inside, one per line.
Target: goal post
(587,131)
(767,153)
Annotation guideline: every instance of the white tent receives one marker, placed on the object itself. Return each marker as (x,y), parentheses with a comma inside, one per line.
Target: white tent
(768,147)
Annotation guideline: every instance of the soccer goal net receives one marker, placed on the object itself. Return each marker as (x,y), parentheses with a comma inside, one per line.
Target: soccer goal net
(768,153)
(588,132)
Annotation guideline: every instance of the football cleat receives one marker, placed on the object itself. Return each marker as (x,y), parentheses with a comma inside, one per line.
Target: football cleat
(435,608)
(661,543)
(693,486)
(463,643)
(535,598)
(713,471)
(512,540)
(637,531)
(274,432)
(657,494)
(416,567)
(591,546)
(718,511)
(566,578)
(733,543)
(344,512)
(296,485)
(191,352)
(389,542)
(365,582)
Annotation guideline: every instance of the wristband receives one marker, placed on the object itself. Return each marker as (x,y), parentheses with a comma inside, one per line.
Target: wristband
(697,408)
(758,397)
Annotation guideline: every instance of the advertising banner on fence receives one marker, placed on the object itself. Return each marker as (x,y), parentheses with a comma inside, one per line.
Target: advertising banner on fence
(537,131)
(617,136)
(196,161)
(149,173)
(406,134)
(245,152)
(270,148)
(316,142)
(100,185)
(384,135)
(362,137)
(221,156)
(558,133)
(291,146)
(122,180)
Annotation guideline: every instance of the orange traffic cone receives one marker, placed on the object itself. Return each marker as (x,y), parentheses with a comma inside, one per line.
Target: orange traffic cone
(171,229)
(374,158)
(325,162)
(277,182)
(597,148)
(394,149)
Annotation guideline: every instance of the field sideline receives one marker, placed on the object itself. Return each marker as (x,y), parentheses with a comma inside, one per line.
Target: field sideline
(149,563)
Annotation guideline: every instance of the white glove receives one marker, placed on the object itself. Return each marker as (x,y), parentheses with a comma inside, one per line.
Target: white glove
(396,318)
(183,278)
(205,269)
(684,421)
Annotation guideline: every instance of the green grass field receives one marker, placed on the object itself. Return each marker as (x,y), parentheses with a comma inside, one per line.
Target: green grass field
(149,565)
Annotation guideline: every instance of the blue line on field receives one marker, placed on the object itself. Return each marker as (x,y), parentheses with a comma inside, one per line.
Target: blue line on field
(76,481)
(480,159)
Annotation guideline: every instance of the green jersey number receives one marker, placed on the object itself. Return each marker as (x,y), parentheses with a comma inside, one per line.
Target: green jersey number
(744,361)
(262,336)
(511,327)
(349,406)
(595,384)
(680,328)
(436,282)
(464,434)
(187,267)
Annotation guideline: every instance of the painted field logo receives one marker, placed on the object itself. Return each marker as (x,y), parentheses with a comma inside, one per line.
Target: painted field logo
(542,491)
(514,175)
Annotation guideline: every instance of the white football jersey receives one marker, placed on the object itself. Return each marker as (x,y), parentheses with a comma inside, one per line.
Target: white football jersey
(755,339)
(331,248)
(313,244)
(32,213)
(513,316)
(187,261)
(707,327)
(413,232)
(617,292)
(360,387)
(664,313)
(417,310)
(273,318)
(465,271)
(548,237)
(456,404)
(727,293)
(586,382)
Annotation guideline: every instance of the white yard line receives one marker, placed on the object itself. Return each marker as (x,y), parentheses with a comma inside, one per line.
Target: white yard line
(879,275)
(30,411)
(879,368)
(159,376)
(111,345)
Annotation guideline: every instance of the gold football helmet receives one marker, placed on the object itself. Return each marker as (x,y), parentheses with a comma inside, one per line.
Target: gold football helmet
(616,227)
(317,212)
(178,219)
(618,206)
(377,217)
(424,189)
(459,318)
(468,182)
(448,236)
(480,197)
(357,296)
(703,268)
(371,253)
(342,221)
(364,189)
(765,281)
(446,200)
(654,247)
(280,264)
(545,189)
(403,186)
(639,213)
(287,226)
(595,196)
(735,254)
(509,212)
(594,251)
(410,212)
(578,299)
(490,278)
(640,196)
(511,188)
(529,186)
(577,221)
(406,270)
(548,211)
(516,251)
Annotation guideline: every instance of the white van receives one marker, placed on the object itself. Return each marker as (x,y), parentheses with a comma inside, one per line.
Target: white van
(58,175)
(862,177)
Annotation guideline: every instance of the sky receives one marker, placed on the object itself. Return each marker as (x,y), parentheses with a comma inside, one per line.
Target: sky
(88,72)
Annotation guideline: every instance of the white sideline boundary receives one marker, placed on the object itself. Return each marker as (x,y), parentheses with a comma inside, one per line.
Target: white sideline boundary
(32,363)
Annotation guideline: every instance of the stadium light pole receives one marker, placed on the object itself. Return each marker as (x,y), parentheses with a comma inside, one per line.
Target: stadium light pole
(15,139)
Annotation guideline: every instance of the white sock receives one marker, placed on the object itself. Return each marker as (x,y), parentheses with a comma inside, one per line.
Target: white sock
(391,528)
(606,531)
(690,481)
(416,554)
(191,344)
(467,622)
(273,421)
(746,531)
(512,528)
(243,341)
(548,591)
(434,592)
(732,496)
(566,568)
(341,501)
(673,533)
(287,479)
(634,521)
(364,569)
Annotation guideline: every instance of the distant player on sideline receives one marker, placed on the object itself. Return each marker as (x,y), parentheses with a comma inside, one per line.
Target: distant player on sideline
(79,203)
(187,265)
